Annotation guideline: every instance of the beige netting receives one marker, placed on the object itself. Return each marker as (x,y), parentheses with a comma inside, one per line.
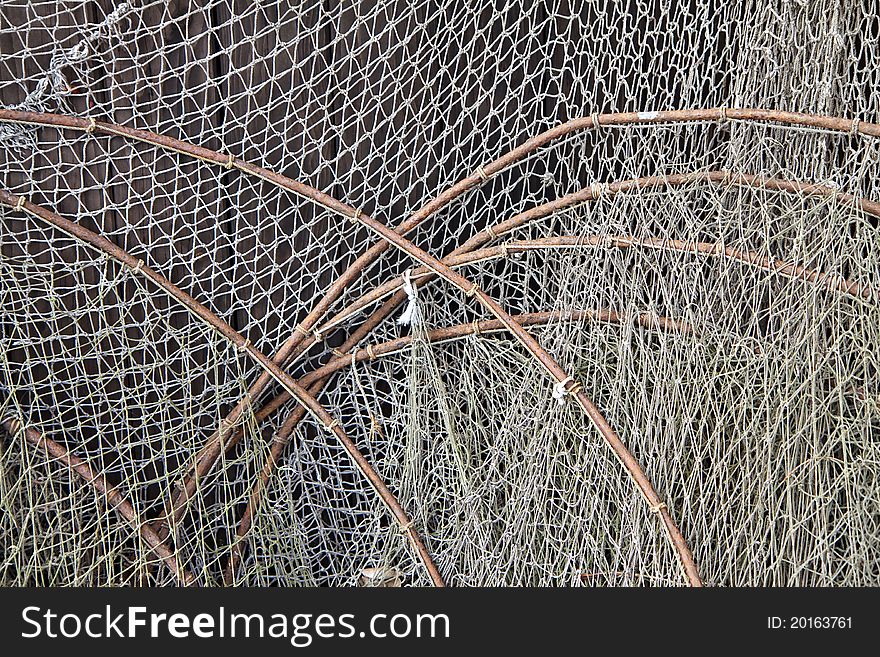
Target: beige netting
(626,183)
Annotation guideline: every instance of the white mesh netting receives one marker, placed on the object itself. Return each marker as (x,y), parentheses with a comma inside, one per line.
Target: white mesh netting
(710,280)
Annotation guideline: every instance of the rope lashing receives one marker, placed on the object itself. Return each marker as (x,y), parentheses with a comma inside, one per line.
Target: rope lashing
(597,189)
(412,313)
(14,424)
(561,389)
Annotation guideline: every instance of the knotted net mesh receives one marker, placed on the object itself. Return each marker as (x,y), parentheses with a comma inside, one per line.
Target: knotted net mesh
(709,281)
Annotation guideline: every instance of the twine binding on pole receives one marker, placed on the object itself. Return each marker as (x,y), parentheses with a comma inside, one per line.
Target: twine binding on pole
(412,313)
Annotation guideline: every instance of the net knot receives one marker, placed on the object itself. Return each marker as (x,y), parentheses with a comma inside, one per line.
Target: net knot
(657,508)
(411,314)
(561,389)
(230,161)
(319,337)
(854,129)
(90,128)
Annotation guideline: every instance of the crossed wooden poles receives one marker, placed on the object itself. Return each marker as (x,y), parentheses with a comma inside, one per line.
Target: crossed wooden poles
(309,331)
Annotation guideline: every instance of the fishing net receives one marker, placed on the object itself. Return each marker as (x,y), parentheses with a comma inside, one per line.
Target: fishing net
(204,379)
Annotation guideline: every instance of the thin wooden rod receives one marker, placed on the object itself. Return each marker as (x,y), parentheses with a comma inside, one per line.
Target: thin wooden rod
(201,312)
(480,327)
(646,320)
(115,499)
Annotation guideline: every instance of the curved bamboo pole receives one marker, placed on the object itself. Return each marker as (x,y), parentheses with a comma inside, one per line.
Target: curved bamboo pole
(306,400)
(116,500)
(443,334)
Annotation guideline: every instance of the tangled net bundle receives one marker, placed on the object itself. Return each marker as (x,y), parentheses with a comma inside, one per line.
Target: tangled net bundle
(375,294)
